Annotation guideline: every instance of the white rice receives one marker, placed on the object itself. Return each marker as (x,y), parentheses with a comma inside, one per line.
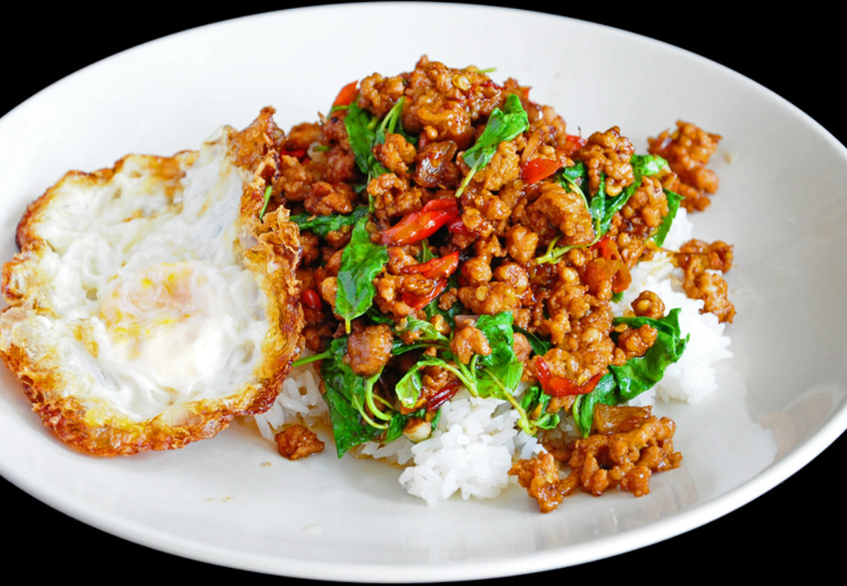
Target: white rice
(470,452)
(693,376)
(299,401)
(476,441)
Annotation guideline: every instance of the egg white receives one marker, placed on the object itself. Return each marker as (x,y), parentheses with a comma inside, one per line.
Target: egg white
(141,317)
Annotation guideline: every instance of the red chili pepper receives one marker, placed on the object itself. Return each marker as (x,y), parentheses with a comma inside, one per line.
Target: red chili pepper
(573,143)
(299,153)
(559,386)
(608,248)
(421,224)
(435,268)
(443,395)
(537,169)
(346,95)
(311,299)
(416,301)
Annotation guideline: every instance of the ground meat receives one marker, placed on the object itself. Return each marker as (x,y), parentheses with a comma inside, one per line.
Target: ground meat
(325,199)
(540,477)
(396,154)
(636,342)
(296,442)
(699,261)
(521,243)
(302,136)
(379,94)
(632,446)
(468,341)
(563,210)
(687,150)
(368,349)
(491,299)
(607,155)
(435,165)
(645,209)
(712,289)
(503,168)
(648,304)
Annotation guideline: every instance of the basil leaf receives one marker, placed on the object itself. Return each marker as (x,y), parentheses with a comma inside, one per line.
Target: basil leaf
(323,225)
(583,407)
(361,131)
(344,390)
(639,374)
(361,262)
(534,400)
(642,373)
(503,125)
(427,336)
(674,200)
(603,207)
(408,388)
(646,165)
(499,372)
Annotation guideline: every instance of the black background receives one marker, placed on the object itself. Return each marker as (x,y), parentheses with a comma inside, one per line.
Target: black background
(798,55)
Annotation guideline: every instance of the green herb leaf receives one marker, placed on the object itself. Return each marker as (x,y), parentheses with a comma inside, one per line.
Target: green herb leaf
(361,262)
(534,400)
(503,125)
(361,128)
(344,391)
(674,200)
(639,374)
(408,388)
(323,225)
(425,335)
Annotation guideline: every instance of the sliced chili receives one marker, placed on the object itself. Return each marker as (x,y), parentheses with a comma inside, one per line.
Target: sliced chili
(435,268)
(346,95)
(421,224)
(559,386)
(416,301)
(537,169)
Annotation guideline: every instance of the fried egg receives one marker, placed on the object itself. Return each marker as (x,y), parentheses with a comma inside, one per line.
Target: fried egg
(149,304)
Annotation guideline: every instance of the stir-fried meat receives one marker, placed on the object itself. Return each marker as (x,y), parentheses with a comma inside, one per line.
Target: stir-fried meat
(607,156)
(629,446)
(687,150)
(700,262)
(545,227)
(297,442)
(368,349)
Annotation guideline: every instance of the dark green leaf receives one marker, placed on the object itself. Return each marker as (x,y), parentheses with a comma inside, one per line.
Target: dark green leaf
(361,262)
(639,374)
(503,125)
(345,389)
(425,335)
(674,200)
(534,400)
(408,388)
(361,128)
(323,225)
(499,373)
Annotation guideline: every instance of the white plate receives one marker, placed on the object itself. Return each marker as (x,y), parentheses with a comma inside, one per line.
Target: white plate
(782,396)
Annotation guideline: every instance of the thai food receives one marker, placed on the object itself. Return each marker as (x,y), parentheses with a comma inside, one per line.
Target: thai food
(470,290)
(489,297)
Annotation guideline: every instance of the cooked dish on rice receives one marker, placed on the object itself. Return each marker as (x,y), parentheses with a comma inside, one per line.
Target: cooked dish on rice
(484,296)
(475,287)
